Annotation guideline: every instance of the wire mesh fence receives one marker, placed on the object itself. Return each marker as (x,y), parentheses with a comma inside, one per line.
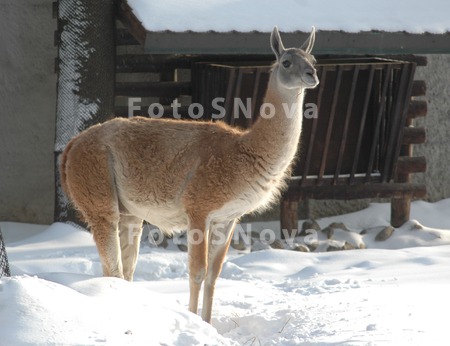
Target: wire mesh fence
(86,76)
(4,265)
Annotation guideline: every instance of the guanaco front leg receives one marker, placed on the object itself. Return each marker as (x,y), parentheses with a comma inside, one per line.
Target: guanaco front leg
(197,252)
(219,242)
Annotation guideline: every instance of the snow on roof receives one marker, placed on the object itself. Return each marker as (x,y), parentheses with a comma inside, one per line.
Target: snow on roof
(413,16)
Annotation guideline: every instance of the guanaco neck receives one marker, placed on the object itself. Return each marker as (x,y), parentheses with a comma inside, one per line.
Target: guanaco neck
(276,138)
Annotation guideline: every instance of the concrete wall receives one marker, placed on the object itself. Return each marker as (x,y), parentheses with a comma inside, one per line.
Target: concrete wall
(27,110)
(437,122)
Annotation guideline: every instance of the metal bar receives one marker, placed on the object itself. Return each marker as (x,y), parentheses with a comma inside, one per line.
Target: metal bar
(346,123)
(204,94)
(237,92)
(328,180)
(363,123)
(378,122)
(385,121)
(230,95)
(330,125)
(314,125)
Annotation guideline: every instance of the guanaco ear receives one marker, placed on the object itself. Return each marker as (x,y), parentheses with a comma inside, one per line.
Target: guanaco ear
(276,43)
(308,45)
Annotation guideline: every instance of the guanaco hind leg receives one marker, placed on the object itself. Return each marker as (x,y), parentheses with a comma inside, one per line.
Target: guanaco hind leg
(90,184)
(130,231)
(106,238)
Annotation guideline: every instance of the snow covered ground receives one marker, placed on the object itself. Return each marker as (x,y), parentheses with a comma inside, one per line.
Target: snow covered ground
(394,292)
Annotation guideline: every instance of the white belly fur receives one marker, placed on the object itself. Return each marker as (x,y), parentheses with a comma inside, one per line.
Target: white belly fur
(168,218)
(251,199)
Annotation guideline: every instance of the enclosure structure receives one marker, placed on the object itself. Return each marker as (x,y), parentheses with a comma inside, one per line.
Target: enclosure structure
(358,145)
(353,134)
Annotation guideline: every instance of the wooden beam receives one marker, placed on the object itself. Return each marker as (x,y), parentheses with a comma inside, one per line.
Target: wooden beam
(406,165)
(420,60)
(124,38)
(122,111)
(129,20)
(414,135)
(147,63)
(417,109)
(419,88)
(150,89)
(327,42)
(345,192)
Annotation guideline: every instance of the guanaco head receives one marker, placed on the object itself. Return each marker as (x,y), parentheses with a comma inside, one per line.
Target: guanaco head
(294,66)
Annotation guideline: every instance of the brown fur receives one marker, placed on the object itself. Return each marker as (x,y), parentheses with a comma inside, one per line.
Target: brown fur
(199,176)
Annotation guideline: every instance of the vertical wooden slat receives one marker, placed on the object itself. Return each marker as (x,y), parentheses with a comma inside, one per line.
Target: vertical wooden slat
(237,92)
(363,122)
(314,126)
(167,75)
(207,75)
(346,124)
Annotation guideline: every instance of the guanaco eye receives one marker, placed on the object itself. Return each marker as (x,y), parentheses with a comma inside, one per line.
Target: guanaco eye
(286,63)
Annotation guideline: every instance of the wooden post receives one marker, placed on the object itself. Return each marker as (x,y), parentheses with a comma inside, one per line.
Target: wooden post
(401,207)
(400,210)
(167,75)
(288,217)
